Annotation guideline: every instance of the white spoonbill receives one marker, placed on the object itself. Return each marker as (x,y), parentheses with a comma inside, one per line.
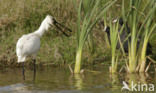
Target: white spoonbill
(29,44)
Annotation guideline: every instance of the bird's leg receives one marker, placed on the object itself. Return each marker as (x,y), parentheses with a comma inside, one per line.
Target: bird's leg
(34,62)
(23,71)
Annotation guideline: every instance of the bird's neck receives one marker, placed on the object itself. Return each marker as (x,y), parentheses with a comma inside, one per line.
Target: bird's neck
(40,32)
(42,29)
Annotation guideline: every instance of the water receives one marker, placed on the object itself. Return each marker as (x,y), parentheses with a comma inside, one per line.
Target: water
(60,80)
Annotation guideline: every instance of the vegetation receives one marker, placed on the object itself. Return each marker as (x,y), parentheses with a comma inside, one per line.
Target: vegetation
(91,17)
(139,13)
(83,17)
(114,41)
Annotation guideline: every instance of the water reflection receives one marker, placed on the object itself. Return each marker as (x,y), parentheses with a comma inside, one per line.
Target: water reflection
(33,76)
(13,88)
(78,81)
(144,77)
(137,78)
(115,81)
(58,80)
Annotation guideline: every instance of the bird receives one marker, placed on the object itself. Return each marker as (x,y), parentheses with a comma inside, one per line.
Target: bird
(29,44)
(123,36)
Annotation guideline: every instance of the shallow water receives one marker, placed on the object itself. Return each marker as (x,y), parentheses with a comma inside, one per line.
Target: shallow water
(60,80)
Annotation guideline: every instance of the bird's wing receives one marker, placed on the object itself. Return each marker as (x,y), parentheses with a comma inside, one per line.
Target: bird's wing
(19,46)
(28,44)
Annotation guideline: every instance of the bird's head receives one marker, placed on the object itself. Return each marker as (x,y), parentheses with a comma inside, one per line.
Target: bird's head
(51,21)
(47,23)
(107,30)
(119,20)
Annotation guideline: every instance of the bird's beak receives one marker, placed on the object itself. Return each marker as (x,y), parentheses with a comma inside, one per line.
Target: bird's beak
(115,20)
(105,28)
(61,28)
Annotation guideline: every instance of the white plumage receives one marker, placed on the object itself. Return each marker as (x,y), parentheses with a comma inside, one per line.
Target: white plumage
(29,44)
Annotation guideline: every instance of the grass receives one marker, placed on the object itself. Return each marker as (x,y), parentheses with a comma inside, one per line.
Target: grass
(11,28)
(22,17)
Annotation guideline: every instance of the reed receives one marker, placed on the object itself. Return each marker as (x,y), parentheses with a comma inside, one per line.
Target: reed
(148,30)
(133,43)
(114,40)
(138,12)
(88,22)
